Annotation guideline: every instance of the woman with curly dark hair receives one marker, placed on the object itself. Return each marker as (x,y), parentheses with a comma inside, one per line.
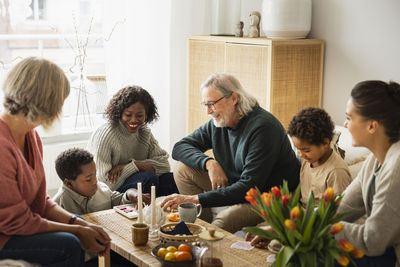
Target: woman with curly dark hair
(124,148)
(311,131)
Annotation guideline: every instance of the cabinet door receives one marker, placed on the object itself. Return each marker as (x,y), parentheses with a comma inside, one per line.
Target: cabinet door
(296,78)
(249,63)
(204,58)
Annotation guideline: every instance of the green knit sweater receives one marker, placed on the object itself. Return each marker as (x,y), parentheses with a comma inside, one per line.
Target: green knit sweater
(256,152)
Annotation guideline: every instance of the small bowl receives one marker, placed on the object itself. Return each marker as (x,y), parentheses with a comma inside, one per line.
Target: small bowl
(195,253)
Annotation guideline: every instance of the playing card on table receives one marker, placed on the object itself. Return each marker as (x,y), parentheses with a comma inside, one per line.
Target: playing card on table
(242,245)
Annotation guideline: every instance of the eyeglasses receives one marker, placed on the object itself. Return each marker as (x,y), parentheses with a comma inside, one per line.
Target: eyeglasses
(211,104)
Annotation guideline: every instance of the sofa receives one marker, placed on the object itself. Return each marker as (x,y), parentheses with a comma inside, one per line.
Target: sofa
(354,156)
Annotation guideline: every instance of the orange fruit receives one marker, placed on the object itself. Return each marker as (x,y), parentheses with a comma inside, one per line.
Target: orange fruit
(171,249)
(185,247)
(169,256)
(173,217)
(162,252)
(183,256)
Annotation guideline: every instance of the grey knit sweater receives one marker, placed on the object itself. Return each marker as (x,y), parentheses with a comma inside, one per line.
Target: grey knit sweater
(112,146)
(382,227)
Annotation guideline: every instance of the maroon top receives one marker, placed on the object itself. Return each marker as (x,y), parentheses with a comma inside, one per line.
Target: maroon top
(23,198)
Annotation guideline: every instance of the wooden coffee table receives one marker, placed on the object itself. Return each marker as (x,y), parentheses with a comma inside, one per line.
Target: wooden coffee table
(119,229)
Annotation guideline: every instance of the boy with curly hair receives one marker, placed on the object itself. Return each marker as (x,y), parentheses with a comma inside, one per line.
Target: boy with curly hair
(81,193)
(311,131)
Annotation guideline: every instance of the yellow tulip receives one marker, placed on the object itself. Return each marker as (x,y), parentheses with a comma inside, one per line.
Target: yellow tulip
(344,261)
(295,213)
(290,224)
(336,228)
(357,253)
(345,245)
(329,194)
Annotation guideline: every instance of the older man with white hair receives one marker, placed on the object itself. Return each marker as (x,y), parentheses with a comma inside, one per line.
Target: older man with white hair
(250,147)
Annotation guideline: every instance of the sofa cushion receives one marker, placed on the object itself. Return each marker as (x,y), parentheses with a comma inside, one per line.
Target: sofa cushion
(353,155)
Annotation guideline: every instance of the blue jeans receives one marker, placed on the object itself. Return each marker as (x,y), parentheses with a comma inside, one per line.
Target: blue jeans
(56,249)
(165,183)
(387,259)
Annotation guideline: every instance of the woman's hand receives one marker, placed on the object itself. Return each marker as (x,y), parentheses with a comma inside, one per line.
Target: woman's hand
(217,175)
(94,239)
(115,172)
(144,166)
(132,195)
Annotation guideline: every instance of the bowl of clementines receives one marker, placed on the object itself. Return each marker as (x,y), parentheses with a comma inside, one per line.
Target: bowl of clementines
(175,254)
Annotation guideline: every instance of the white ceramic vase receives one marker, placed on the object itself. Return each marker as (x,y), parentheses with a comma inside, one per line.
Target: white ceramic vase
(225,15)
(286,19)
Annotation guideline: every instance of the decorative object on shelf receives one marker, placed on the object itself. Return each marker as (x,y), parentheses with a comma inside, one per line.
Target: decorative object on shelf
(225,15)
(305,235)
(286,19)
(239,29)
(254,28)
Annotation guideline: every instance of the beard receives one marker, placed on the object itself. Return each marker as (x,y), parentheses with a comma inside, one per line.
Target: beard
(221,123)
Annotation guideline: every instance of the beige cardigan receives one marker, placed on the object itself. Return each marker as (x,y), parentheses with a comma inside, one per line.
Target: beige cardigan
(382,227)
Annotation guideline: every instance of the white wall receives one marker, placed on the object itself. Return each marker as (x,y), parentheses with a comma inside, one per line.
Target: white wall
(362,43)
(362,40)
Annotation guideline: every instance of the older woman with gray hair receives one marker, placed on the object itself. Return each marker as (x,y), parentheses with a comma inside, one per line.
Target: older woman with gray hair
(33,228)
(250,148)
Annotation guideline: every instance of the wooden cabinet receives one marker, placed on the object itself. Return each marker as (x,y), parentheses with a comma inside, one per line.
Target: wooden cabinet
(284,75)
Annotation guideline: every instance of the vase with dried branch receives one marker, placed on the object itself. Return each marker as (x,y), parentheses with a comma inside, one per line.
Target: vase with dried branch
(82,86)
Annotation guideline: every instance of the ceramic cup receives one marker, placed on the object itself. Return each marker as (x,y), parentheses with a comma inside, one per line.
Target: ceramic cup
(188,212)
(140,234)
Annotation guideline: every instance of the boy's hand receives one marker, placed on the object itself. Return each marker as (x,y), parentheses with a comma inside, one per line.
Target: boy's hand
(146,199)
(258,241)
(132,195)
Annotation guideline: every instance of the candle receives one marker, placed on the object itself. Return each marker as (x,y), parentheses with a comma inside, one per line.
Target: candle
(140,203)
(153,205)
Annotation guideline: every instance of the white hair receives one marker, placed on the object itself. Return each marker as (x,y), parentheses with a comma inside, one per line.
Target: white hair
(228,84)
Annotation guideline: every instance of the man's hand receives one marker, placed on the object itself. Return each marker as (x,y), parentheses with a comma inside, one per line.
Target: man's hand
(132,195)
(144,166)
(115,172)
(216,173)
(174,200)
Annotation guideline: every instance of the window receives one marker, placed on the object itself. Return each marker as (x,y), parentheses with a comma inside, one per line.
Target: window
(68,33)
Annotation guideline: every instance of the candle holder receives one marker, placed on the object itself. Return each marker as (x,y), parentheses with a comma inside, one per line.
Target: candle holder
(154,232)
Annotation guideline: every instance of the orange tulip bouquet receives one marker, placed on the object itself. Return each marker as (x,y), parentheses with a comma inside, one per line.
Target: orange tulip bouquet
(306,235)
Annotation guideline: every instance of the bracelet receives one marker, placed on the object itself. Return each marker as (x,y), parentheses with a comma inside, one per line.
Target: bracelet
(72,220)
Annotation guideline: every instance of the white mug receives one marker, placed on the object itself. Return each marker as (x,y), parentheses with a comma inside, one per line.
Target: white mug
(188,212)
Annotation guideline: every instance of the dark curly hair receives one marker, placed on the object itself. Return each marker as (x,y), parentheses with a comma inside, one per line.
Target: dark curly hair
(126,97)
(69,162)
(312,125)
